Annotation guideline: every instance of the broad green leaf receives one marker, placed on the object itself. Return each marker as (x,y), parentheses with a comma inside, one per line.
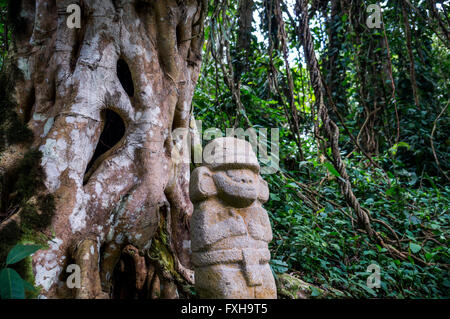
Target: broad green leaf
(20,252)
(275,197)
(394,148)
(11,284)
(446,283)
(415,248)
(332,170)
(404,144)
(29,287)
(428,256)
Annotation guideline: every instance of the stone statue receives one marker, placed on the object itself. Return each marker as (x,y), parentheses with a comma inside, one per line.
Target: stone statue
(230,230)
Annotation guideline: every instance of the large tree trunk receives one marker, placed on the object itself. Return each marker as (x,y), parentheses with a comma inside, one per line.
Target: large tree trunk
(102,102)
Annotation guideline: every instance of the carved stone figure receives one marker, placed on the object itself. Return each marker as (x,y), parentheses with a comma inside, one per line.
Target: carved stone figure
(230,230)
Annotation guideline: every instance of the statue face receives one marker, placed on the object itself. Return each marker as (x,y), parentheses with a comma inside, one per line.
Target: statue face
(237,187)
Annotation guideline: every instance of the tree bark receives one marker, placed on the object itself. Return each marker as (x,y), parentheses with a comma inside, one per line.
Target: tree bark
(102,102)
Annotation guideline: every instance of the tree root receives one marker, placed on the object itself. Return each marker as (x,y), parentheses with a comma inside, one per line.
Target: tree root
(86,256)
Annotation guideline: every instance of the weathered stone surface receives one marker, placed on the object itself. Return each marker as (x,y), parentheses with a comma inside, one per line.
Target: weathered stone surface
(230,230)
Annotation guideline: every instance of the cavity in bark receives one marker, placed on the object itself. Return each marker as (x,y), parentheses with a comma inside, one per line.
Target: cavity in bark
(28,109)
(113,132)
(124,279)
(124,75)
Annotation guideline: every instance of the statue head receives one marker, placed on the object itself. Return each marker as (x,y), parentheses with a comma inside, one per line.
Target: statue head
(231,173)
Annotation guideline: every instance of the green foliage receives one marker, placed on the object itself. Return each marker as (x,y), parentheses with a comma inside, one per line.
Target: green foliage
(327,249)
(12,286)
(21,190)
(316,235)
(19,252)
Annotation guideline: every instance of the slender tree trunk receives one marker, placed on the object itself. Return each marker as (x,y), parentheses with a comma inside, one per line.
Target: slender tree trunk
(102,102)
